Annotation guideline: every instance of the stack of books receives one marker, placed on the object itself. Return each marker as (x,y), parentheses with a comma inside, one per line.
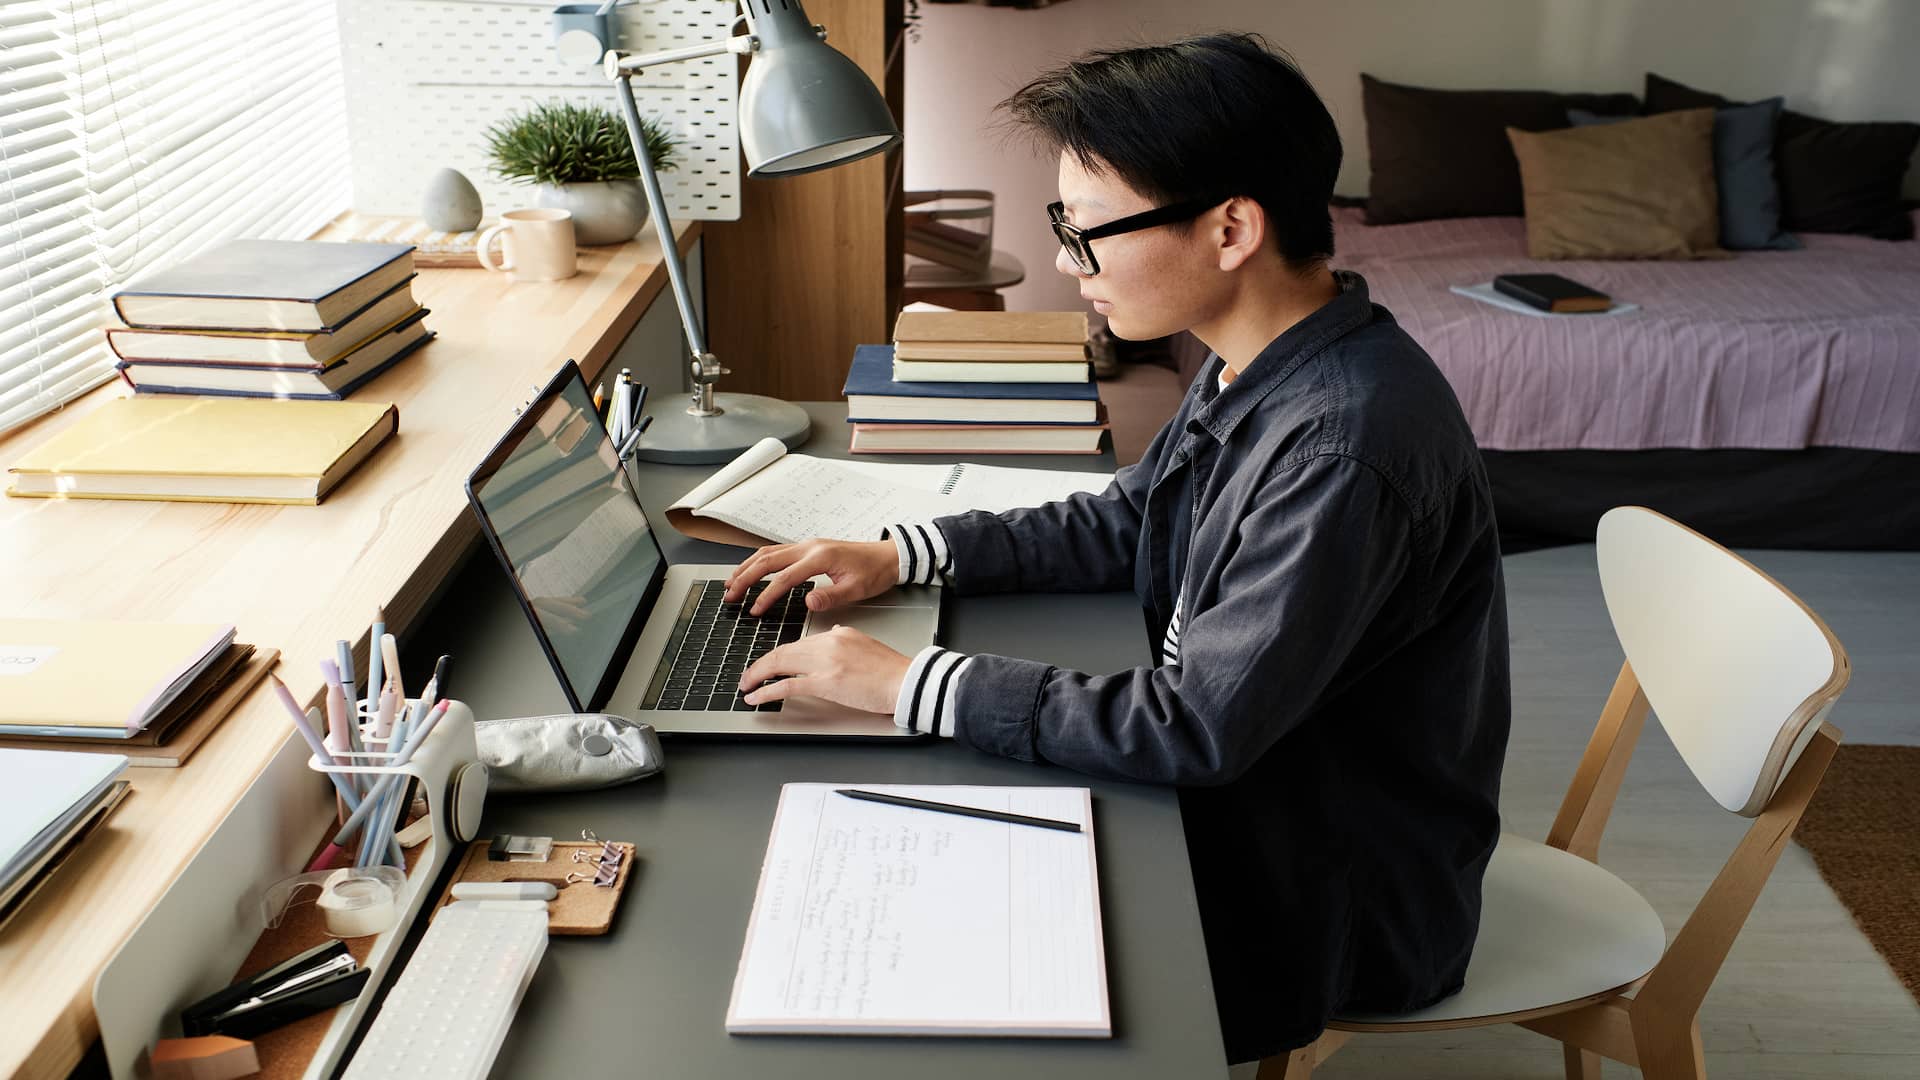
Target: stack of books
(270,318)
(977,382)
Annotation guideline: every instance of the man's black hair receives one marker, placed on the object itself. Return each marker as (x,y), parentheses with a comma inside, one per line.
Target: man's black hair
(1206,117)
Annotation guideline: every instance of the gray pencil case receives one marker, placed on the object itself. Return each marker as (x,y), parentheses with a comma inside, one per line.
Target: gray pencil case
(566,751)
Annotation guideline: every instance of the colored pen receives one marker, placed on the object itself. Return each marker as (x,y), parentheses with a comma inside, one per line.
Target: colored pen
(963,811)
(622,395)
(440,675)
(383,713)
(390,650)
(319,748)
(374,675)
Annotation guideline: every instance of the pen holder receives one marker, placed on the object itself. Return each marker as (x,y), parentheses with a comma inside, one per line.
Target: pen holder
(446,764)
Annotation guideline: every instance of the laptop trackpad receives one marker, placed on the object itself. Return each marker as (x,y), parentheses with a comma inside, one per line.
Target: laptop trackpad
(904,629)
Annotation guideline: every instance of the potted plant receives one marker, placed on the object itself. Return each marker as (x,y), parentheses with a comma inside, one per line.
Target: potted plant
(580,158)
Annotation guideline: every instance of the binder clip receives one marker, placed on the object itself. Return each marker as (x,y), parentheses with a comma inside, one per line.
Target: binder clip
(315,980)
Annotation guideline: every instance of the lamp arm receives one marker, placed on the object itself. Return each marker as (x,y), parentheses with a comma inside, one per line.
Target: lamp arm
(706,370)
(617,63)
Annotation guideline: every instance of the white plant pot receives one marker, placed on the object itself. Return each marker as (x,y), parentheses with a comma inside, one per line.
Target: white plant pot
(604,212)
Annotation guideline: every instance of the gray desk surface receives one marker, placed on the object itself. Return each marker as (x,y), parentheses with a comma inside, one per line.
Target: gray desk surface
(651,997)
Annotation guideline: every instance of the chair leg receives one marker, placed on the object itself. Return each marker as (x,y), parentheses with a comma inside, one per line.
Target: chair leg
(1299,1064)
(1296,1065)
(1582,1064)
(1670,1052)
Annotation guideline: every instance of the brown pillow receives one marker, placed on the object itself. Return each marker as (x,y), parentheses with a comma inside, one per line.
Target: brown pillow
(1639,189)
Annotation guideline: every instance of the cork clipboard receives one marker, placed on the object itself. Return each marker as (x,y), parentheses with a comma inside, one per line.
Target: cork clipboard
(581,909)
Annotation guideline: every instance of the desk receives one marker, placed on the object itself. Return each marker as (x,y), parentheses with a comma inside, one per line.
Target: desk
(651,998)
(296,578)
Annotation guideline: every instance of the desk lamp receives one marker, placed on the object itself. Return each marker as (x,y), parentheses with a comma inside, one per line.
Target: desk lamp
(803,106)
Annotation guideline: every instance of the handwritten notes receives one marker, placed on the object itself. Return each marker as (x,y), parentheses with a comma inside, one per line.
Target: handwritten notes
(877,919)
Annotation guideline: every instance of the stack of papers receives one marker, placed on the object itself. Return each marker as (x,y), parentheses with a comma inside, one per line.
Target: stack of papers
(48,802)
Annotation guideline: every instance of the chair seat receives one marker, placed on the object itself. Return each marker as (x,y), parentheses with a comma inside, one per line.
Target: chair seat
(1554,929)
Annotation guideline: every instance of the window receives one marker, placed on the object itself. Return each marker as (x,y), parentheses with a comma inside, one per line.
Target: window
(134,133)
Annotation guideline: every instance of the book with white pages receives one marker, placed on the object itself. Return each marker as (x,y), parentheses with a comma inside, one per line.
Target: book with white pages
(878,919)
(1487,294)
(768,495)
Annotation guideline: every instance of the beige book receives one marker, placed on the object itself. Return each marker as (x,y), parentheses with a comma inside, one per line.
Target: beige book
(205,449)
(990,352)
(1056,327)
(113,677)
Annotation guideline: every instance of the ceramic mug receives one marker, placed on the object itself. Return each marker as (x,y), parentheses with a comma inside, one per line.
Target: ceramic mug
(537,245)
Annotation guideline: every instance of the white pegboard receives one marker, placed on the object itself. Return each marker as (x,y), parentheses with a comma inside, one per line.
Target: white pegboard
(426,78)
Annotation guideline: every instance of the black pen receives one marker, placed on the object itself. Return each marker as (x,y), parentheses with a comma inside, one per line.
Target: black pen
(963,811)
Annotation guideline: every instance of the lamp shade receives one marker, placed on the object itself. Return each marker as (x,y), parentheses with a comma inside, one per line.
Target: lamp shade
(804,105)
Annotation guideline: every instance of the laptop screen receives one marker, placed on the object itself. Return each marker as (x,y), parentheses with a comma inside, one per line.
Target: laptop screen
(563,517)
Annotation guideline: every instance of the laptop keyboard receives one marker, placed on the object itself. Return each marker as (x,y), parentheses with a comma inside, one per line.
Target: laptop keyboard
(712,644)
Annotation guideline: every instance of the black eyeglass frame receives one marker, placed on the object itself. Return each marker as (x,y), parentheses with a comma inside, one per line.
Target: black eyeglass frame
(1078,242)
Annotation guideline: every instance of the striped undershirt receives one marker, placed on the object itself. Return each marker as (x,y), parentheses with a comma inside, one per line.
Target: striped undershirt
(932,686)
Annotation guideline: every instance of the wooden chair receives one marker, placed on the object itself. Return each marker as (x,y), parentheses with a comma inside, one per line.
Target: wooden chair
(1742,675)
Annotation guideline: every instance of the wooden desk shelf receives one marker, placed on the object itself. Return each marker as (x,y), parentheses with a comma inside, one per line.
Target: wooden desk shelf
(294,578)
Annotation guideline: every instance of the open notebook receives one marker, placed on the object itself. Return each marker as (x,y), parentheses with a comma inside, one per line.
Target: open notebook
(874,919)
(767,495)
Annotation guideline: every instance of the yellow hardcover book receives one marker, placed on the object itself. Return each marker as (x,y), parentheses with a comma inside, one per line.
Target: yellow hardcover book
(108,678)
(206,449)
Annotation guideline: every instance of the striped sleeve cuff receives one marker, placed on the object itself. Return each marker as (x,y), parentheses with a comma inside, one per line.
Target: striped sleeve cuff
(928,693)
(925,558)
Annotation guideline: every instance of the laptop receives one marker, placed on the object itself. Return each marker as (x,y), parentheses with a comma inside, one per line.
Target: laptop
(626,633)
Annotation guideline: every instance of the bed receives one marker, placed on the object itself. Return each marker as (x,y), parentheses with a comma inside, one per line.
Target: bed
(1771,399)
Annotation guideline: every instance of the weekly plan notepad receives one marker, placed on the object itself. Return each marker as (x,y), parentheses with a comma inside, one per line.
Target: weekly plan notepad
(873,919)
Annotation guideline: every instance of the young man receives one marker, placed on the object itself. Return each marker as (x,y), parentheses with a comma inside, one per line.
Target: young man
(1311,538)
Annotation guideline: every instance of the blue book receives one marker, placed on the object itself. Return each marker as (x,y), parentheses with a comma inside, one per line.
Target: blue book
(874,397)
(264,285)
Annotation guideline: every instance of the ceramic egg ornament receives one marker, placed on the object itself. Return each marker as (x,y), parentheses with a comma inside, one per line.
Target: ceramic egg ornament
(452,204)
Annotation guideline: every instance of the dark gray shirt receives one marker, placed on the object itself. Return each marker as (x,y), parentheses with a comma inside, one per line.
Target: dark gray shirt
(1338,716)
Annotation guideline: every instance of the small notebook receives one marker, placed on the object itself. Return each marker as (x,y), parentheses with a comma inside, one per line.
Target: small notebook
(767,495)
(199,449)
(873,919)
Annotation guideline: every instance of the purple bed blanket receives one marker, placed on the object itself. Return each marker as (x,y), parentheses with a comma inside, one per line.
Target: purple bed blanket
(1770,350)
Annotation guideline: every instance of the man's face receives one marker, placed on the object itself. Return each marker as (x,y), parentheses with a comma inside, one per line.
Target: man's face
(1151,283)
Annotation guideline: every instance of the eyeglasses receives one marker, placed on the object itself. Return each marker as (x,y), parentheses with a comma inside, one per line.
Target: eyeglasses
(1079,241)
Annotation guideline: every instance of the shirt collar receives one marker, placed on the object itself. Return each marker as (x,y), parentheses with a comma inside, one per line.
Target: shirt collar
(1222,409)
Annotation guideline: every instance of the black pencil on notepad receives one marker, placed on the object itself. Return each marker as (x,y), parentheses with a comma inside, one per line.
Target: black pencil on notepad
(964,811)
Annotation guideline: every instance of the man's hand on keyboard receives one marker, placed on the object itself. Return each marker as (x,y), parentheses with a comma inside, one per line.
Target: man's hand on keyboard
(858,572)
(842,665)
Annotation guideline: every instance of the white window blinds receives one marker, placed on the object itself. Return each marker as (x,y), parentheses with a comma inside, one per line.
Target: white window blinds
(134,133)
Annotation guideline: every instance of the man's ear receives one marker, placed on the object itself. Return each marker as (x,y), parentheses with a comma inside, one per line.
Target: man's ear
(1242,230)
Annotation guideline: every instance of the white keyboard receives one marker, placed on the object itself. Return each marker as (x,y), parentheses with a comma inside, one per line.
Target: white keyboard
(449,1012)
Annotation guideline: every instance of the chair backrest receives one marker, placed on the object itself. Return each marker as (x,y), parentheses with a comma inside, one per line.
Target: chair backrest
(1738,670)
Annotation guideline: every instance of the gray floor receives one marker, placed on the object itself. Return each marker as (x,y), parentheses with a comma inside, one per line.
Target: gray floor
(1802,994)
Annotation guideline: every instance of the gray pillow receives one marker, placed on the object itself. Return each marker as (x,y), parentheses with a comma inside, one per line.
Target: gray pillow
(1743,168)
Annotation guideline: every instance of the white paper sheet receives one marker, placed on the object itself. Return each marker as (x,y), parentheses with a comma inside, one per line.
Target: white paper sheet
(879,919)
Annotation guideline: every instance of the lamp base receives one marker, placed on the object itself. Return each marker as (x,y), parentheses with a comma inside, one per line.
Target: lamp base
(677,438)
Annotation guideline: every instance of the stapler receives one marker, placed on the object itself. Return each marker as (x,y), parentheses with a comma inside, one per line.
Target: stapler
(320,978)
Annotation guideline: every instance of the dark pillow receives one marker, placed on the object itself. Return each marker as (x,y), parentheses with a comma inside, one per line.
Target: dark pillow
(1834,178)
(1749,198)
(1444,153)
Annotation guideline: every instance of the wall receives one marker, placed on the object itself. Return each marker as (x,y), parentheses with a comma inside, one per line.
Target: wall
(1838,59)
